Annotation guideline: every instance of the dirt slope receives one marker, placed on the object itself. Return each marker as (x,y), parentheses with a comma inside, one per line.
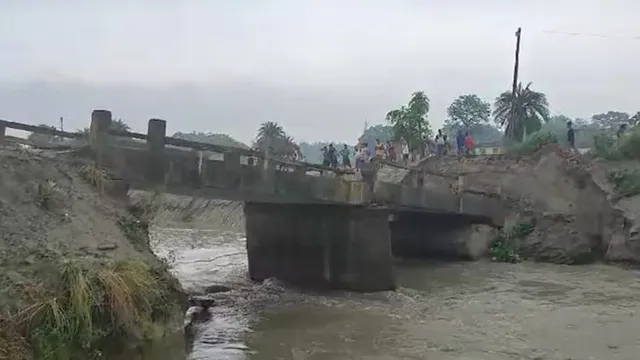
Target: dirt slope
(575,220)
(49,214)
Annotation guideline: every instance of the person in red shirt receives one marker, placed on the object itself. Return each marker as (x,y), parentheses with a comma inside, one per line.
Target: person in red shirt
(468,143)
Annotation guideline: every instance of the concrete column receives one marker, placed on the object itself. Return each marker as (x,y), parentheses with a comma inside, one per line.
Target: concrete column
(99,134)
(233,170)
(156,132)
(3,130)
(320,246)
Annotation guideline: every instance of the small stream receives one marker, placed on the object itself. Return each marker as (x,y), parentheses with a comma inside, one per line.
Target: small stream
(442,310)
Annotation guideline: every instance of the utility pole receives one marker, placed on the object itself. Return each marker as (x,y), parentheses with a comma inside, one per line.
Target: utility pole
(61,123)
(515,76)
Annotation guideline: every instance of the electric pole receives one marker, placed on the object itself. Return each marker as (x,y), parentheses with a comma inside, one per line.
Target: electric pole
(515,78)
(61,123)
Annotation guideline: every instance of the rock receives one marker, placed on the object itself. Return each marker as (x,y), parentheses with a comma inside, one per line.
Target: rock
(201,301)
(213,289)
(107,246)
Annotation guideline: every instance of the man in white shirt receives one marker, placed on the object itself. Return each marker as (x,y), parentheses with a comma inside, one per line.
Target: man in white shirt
(405,152)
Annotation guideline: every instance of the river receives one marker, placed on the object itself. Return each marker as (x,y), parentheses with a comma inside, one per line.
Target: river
(442,310)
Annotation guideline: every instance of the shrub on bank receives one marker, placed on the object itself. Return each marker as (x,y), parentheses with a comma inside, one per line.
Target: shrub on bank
(607,147)
(86,311)
(504,247)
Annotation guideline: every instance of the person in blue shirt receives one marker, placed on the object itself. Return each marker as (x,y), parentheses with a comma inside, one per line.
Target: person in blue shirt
(460,142)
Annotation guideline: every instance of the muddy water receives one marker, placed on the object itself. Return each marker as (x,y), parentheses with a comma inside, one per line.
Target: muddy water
(476,310)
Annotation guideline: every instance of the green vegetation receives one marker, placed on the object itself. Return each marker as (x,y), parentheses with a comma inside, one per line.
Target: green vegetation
(504,247)
(625,182)
(533,143)
(521,113)
(410,122)
(46,193)
(86,311)
(95,176)
(211,138)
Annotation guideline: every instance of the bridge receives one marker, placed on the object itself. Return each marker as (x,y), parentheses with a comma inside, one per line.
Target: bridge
(305,223)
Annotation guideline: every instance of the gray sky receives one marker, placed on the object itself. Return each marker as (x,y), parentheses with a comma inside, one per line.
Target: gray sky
(318,67)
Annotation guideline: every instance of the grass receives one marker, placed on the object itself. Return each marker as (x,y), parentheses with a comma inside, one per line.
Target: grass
(87,312)
(96,176)
(504,247)
(147,207)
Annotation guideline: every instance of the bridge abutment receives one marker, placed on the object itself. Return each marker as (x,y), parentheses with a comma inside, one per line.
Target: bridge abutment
(343,247)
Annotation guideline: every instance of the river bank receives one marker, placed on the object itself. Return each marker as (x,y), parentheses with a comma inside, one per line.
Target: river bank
(78,279)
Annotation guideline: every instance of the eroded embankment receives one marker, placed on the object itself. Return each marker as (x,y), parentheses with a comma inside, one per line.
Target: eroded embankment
(78,279)
(571,209)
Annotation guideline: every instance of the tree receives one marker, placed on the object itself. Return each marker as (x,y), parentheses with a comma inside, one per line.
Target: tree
(272,137)
(522,112)
(410,122)
(611,120)
(211,138)
(120,125)
(467,111)
(635,120)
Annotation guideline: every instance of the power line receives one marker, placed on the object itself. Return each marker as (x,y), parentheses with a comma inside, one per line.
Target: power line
(604,36)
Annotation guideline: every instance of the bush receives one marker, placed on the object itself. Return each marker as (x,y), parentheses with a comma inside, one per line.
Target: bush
(625,182)
(504,247)
(87,311)
(627,148)
(534,142)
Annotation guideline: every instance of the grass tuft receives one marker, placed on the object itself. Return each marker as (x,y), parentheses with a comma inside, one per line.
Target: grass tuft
(88,312)
(95,176)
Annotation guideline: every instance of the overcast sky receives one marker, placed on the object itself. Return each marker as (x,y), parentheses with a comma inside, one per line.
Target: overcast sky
(318,67)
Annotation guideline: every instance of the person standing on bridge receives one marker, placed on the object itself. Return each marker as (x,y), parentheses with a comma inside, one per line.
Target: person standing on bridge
(379,149)
(460,143)
(571,135)
(468,143)
(405,151)
(325,156)
(346,156)
(333,156)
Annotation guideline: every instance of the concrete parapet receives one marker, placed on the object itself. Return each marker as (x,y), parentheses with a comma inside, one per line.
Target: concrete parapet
(320,245)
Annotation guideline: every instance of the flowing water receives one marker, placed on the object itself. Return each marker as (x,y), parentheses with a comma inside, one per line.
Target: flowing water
(442,310)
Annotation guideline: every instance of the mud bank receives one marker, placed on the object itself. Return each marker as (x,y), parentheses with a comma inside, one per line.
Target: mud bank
(565,197)
(78,278)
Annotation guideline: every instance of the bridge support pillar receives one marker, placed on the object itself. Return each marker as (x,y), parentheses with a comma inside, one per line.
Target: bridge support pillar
(3,130)
(99,135)
(156,132)
(326,246)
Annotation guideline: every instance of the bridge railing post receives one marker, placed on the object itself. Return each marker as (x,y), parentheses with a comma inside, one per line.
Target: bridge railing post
(156,132)
(3,130)
(99,134)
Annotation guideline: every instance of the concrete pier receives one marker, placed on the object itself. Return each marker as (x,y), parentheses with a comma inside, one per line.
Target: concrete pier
(331,246)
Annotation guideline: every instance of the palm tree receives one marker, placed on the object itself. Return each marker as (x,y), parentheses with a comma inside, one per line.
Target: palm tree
(268,134)
(524,111)
(419,103)
(120,125)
